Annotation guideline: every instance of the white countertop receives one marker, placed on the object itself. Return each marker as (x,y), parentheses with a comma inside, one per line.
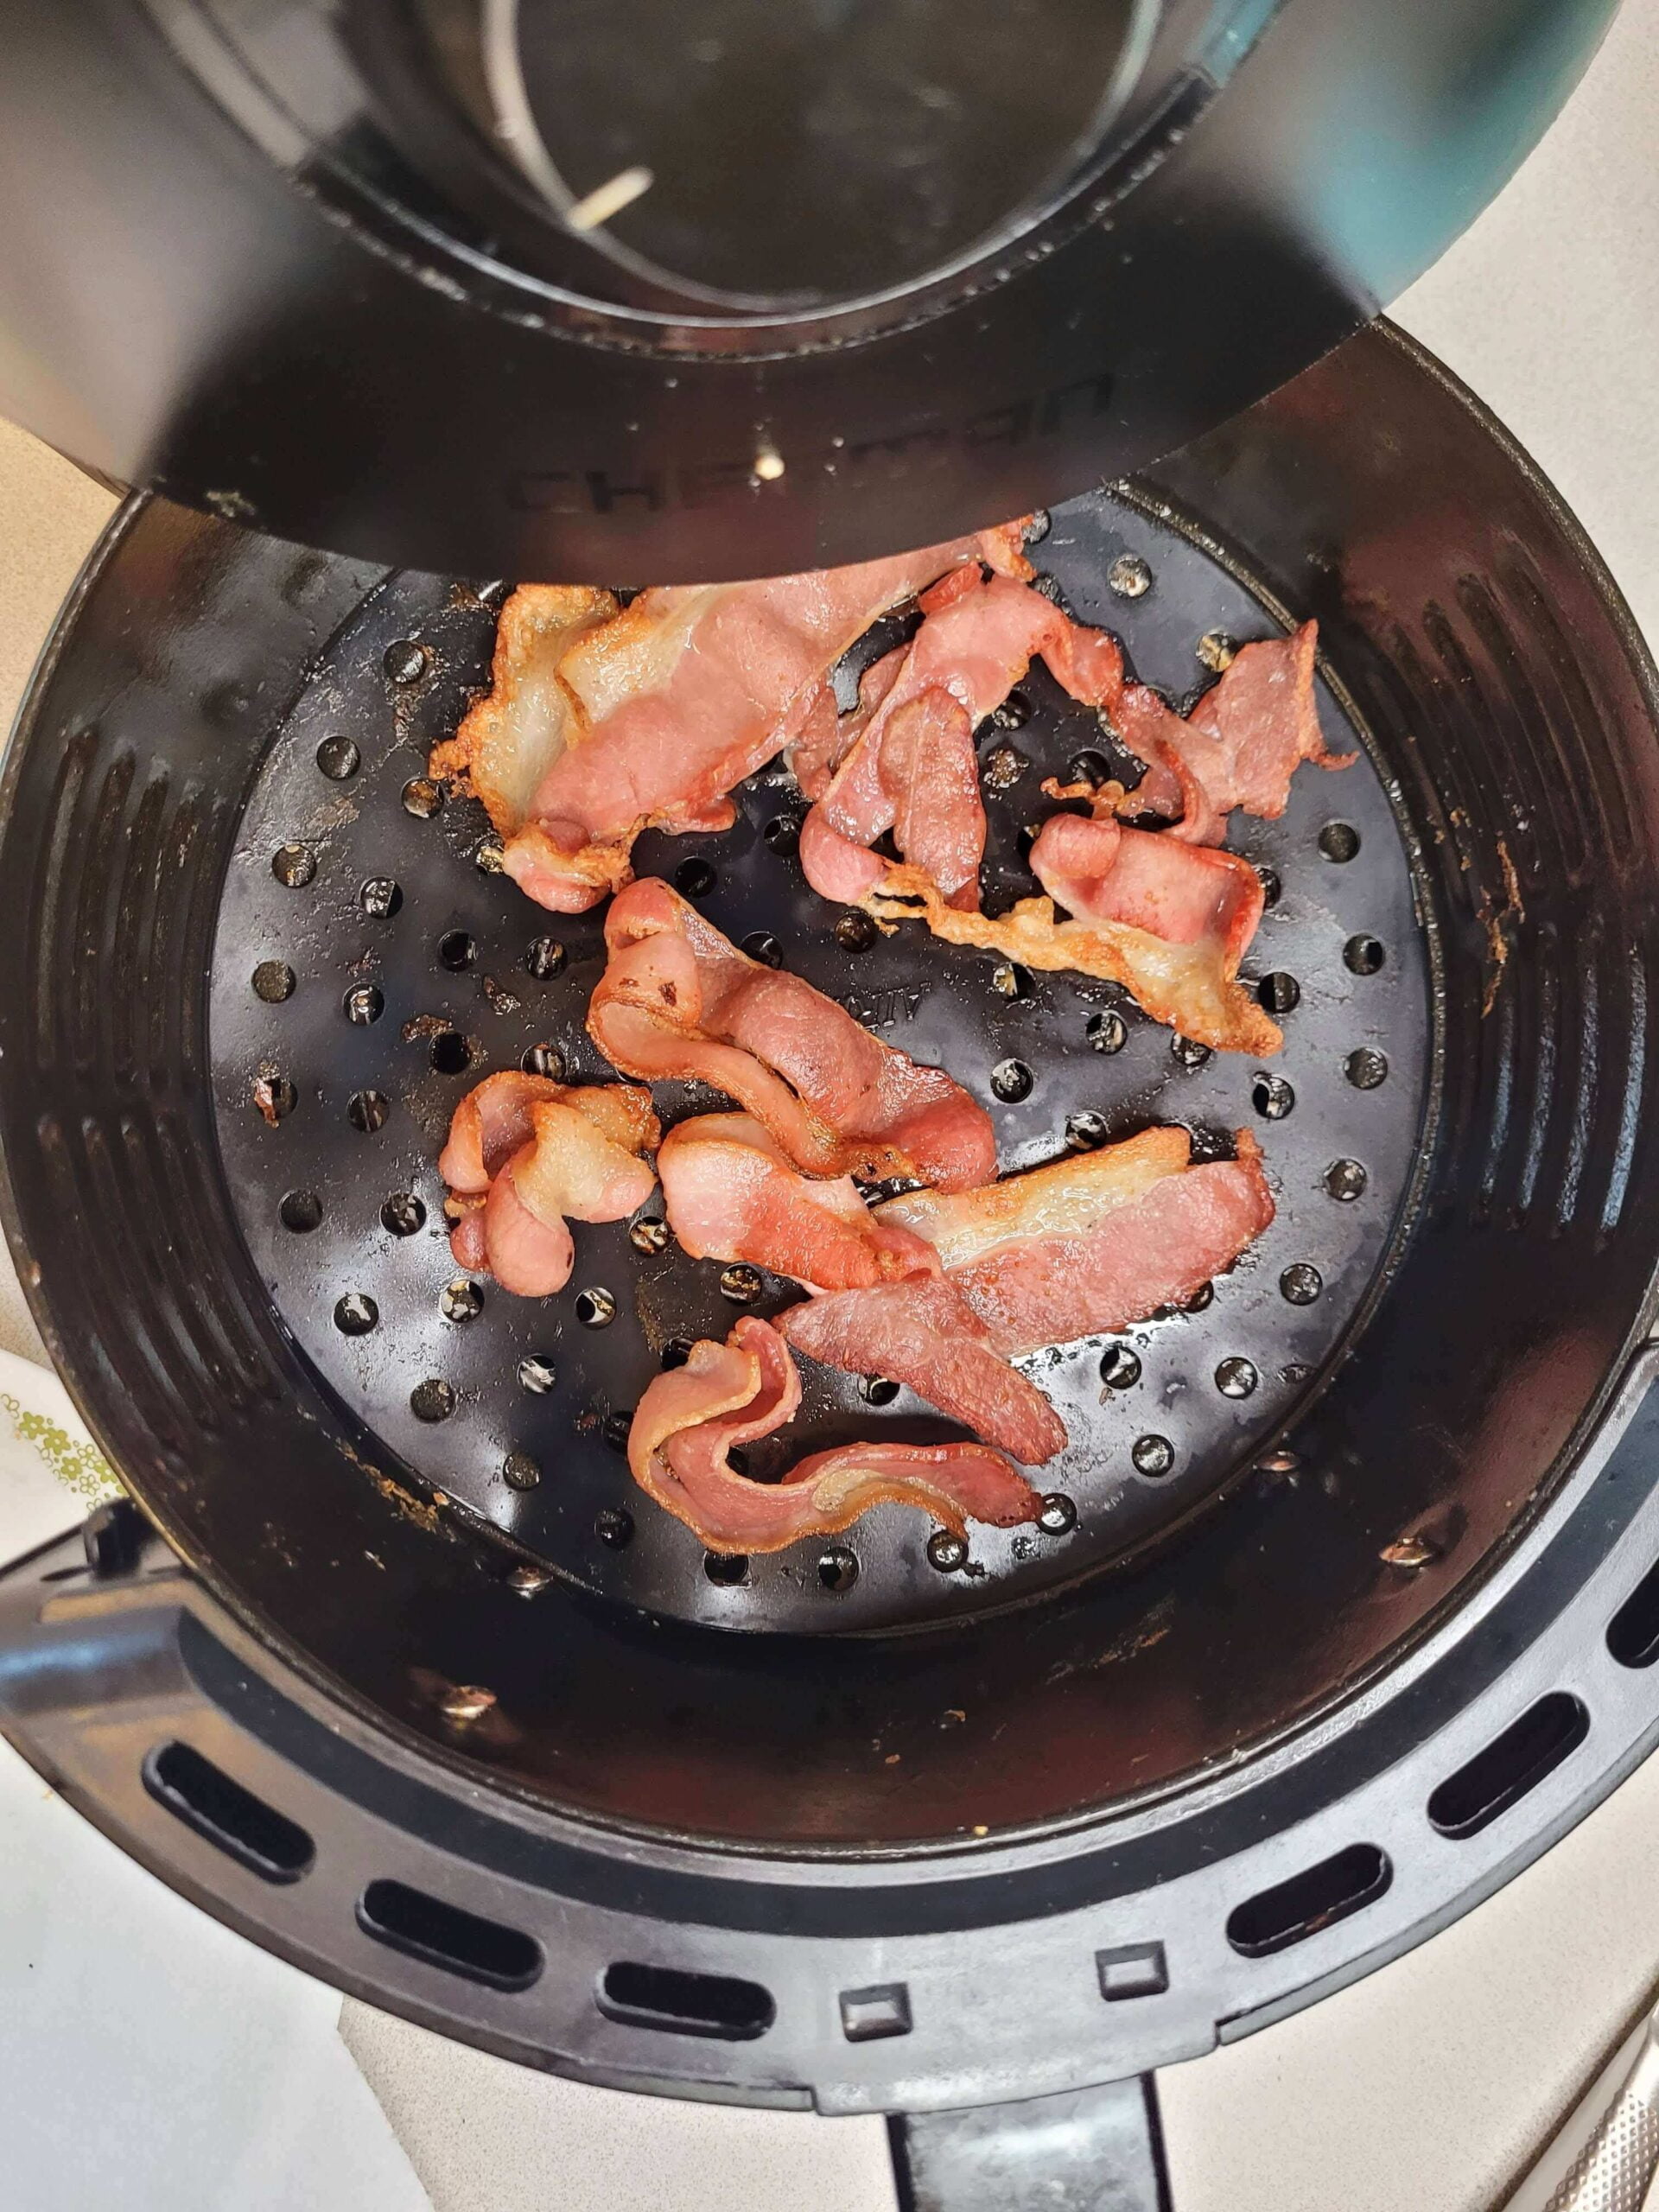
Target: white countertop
(1424,2089)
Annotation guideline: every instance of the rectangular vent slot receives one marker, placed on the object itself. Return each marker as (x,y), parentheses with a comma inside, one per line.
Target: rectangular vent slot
(1633,1632)
(444,1936)
(1292,1910)
(1511,1764)
(686,2004)
(242,1826)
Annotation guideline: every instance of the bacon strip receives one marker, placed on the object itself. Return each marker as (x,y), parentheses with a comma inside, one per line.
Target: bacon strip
(1096,1242)
(679,1000)
(730,1194)
(510,738)
(523,1154)
(601,722)
(1192,987)
(926,1335)
(1239,747)
(911,768)
(690,1420)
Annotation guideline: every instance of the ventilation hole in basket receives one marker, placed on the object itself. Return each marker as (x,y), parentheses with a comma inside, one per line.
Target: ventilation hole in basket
(441,1935)
(293,866)
(1279,993)
(456,950)
(363,1004)
(1345,1179)
(1511,1764)
(402,1214)
(228,1815)
(406,662)
(1300,1283)
(451,1054)
(432,1400)
(729,1570)
(380,897)
(1154,1456)
(1273,1919)
(838,1569)
(300,1211)
(694,879)
(1272,1098)
(339,759)
(1339,841)
(1633,1632)
(1011,1081)
(273,981)
(461,1300)
(663,1997)
(367,1110)
(544,958)
(356,1313)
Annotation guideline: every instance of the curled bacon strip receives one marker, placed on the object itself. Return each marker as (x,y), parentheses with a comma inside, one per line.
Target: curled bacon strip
(679,1001)
(1095,1243)
(523,1155)
(730,1193)
(1239,747)
(690,1420)
(1192,987)
(510,738)
(911,767)
(926,1335)
(603,722)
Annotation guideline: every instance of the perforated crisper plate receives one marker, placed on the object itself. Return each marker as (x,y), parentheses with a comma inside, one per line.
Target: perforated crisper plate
(386,913)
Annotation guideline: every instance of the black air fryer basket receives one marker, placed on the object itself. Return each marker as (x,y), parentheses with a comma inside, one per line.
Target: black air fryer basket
(1341,1608)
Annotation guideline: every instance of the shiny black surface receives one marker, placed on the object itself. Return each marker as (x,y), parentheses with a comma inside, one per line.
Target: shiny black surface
(362,331)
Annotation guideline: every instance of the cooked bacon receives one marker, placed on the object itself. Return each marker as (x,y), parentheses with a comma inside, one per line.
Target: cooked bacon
(1239,747)
(925,1334)
(1095,1243)
(679,1000)
(730,1194)
(1191,987)
(603,722)
(525,1154)
(1191,898)
(510,738)
(690,1420)
(911,767)
(819,751)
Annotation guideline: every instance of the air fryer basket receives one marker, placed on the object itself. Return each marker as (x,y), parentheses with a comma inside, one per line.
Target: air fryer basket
(964,1835)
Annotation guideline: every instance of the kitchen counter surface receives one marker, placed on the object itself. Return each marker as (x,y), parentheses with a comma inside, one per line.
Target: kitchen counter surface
(1425,2087)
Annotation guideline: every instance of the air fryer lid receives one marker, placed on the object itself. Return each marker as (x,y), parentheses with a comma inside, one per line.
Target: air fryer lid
(1022,1845)
(898,271)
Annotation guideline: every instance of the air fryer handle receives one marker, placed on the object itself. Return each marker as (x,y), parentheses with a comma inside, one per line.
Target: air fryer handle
(1096,2150)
